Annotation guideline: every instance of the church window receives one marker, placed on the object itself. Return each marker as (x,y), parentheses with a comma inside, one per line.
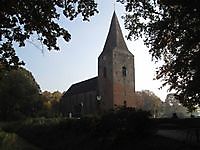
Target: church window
(124,71)
(104,72)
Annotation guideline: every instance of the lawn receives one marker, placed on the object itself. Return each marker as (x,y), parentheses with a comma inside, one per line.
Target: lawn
(11,141)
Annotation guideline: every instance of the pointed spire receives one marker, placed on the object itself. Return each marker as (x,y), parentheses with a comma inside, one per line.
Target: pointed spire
(115,37)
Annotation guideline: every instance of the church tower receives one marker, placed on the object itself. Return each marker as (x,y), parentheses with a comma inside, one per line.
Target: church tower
(116,73)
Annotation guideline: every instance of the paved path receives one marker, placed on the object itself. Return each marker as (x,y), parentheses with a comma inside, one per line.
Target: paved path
(189,136)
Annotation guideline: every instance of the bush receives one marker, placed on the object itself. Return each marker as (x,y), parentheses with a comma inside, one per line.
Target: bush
(63,133)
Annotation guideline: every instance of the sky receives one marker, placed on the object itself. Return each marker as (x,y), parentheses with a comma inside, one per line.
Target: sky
(77,60)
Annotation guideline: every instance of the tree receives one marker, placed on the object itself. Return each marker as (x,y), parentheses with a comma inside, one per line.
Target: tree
(51,105)
(171,30)
(19,94)
(20,19)
(173,106)
(150,102)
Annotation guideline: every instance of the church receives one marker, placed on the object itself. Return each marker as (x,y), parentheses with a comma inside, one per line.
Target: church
(115,84)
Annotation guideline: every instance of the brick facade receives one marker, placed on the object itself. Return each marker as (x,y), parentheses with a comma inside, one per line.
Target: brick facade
(115,84)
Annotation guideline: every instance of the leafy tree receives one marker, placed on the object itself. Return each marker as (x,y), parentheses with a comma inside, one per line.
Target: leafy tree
(19,94)
(56,102)
(20,19)
(51,103)
(150,102)
(56,96)
(46,99)
(171,30)
(173,106)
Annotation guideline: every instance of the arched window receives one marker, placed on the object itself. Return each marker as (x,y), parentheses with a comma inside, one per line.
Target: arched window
(124,71)
(104,72)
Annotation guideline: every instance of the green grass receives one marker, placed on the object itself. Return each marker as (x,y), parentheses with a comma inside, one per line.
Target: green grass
(11,141)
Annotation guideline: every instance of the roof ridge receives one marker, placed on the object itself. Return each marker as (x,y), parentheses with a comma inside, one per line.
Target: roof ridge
(85,80)
(83,86)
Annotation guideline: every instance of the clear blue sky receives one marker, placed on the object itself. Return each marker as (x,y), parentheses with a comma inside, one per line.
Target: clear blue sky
(77,60)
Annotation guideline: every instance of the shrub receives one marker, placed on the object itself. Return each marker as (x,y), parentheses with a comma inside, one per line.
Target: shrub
(63,133)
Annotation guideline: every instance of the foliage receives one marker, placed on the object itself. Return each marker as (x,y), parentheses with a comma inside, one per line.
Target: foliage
(51,105)
(172,106)
(126,121)
(22,18)
(171,29)
(62,133)
(19,94)
(150,102)
(54,96)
